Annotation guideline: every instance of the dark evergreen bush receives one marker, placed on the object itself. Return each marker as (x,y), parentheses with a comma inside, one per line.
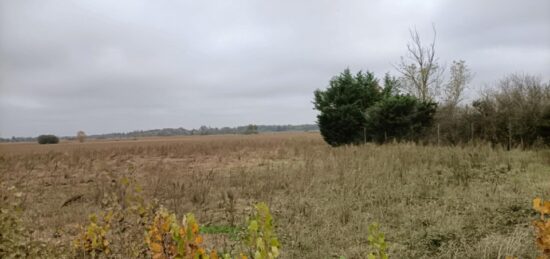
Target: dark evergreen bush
(342,105)
(400,117)
(544,126)
(48,139)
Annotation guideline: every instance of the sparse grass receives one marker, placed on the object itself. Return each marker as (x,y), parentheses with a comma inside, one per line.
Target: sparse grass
(231,232)
(430,202)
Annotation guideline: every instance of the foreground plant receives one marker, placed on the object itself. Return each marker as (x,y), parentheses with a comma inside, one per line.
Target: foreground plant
(262,240)
(126,215)
(118,230)
(377,242)
(168,239)
(542,227)
(92,240)
(15,239)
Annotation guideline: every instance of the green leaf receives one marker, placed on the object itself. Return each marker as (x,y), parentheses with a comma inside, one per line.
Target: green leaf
(253,226)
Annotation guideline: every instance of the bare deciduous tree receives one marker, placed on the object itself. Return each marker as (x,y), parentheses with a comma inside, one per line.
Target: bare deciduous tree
(460,77)
(420,71)
(81,136)
(513,110)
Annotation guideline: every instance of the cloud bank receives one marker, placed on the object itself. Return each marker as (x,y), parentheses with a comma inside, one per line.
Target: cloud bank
(107,66)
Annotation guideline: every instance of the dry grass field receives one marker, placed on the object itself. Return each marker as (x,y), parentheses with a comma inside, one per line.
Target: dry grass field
(431,202)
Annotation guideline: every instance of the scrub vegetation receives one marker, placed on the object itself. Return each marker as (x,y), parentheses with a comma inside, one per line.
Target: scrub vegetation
(400,200)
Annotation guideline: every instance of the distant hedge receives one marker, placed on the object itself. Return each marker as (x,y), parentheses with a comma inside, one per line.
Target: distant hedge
(48,139)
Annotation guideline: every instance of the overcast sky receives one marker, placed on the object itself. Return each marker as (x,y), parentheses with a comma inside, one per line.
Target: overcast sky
(115,66)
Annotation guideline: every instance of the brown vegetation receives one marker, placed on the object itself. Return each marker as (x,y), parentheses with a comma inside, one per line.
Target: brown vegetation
(431,202)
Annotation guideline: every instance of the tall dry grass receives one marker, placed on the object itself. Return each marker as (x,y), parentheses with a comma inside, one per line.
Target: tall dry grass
(432,202)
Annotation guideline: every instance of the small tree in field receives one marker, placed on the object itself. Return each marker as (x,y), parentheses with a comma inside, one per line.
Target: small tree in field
(81,136)
(251,129)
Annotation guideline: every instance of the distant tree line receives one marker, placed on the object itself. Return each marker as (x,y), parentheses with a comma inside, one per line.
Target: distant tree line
(18,139)
(420,105)
(203,130)
(206,130)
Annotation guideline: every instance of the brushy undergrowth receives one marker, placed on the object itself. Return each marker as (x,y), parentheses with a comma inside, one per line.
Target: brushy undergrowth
(472,201)
(16,240)
(115,232)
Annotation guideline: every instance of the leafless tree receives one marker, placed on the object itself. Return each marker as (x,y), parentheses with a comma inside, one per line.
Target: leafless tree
(81,136)
(518,103)
(460,76)
(420,71)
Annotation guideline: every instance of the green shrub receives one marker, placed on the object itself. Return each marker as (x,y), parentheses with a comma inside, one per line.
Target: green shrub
(377,243)
(48,139)
(544,126)
(342,105)
(261,237)
(401,117)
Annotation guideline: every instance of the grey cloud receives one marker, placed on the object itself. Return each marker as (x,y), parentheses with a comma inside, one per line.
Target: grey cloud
(105,66)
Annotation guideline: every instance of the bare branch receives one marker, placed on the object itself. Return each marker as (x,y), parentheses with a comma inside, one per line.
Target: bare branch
(421,72)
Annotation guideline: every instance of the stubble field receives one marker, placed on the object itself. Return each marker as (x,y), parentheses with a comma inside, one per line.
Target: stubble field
(431,202)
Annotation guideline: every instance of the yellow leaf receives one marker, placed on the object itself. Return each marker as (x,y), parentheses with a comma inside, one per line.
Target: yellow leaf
(546,207)
(198,240)
(540,206)
(537,204)
(165,226)
(155,247)
(195,228)
(275,251)
(201,251)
